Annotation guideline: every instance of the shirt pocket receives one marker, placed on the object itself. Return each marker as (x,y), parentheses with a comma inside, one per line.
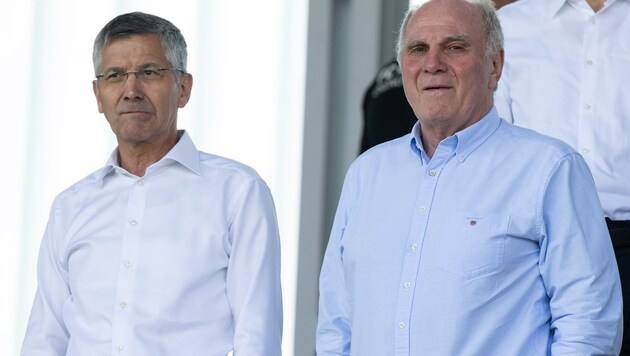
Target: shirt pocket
(473,245)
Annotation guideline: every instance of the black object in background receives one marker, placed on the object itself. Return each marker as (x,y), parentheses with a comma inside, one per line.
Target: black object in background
(386,112)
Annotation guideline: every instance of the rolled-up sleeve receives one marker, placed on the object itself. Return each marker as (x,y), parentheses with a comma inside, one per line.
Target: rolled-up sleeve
(578,264)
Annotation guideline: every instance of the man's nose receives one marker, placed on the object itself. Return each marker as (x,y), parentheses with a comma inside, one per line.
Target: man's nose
(133,87)
(434,61)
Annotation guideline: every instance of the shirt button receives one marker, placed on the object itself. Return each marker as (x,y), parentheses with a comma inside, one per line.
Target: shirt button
(133,223)
(587,107)
(423,209)
(128,264)
(432,173)
(123,305)
(407,285)
(119,348)
(401,325)
(141,182)
(585,150)
(414,247)
(592,20)
(589,62)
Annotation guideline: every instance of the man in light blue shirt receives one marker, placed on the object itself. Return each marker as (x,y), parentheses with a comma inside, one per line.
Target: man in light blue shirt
(469,236)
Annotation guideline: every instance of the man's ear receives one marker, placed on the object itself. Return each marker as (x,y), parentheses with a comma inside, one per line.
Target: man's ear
(497,68)
(96,94)
(186,88)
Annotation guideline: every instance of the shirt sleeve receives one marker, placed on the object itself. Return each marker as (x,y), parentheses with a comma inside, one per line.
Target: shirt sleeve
(578,266)
(253,274)
(333,329)
(46,333)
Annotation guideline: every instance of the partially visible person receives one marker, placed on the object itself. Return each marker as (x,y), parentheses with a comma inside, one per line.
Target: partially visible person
(567,69)
(468,236)
(386,111)
(165,250)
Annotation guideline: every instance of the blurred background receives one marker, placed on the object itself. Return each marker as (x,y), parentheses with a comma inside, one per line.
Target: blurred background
(278,85)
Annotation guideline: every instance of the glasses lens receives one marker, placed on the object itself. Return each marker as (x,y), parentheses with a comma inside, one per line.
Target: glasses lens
(115,77)
(149,74)
(145,75)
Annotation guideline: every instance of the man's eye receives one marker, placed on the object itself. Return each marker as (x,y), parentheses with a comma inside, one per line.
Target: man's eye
(456,48)
(150,73)
(418,50)
(114,76)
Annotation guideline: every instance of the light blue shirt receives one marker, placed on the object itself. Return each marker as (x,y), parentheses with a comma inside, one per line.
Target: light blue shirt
(182,261)
(495,246)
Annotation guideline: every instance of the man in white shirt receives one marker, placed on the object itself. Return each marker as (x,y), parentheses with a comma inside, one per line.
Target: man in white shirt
(566,74)
(166,250)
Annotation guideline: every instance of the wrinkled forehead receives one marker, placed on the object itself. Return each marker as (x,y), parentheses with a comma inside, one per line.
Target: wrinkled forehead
(133,52)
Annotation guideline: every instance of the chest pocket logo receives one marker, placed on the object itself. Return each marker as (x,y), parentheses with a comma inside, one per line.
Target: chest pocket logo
(472,246)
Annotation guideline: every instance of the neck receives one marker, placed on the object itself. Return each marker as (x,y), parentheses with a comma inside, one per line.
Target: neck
(430,142)
(596,5)
(433,134)
(137,157)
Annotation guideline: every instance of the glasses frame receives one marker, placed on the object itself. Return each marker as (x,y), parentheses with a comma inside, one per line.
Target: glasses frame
(125,75)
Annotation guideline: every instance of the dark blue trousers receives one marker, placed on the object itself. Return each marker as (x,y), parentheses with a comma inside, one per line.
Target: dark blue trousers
(620,236)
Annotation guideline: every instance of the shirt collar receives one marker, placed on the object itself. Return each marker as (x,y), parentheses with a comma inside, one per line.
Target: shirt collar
(467,140)
(554,6)
(184,152)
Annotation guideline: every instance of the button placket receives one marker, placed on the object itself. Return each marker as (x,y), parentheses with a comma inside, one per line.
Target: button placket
(127,271)
(415,239)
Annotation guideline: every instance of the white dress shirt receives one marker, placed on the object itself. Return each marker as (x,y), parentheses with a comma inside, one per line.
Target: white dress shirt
(566,75)
(182,261)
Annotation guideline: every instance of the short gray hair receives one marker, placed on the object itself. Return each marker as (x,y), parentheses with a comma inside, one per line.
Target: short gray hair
(491,26)
(138,23)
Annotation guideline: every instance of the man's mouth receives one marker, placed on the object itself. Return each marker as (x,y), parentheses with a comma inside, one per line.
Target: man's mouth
(134,111)
(435,87)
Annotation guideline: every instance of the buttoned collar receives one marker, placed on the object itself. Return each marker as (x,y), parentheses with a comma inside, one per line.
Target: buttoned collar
(184,152)
(464,141)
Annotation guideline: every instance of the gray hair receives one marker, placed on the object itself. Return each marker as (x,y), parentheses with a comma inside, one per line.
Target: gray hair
(138,23)
(491,26)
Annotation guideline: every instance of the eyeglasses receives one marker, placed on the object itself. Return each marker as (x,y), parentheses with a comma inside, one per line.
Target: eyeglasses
(145,75)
